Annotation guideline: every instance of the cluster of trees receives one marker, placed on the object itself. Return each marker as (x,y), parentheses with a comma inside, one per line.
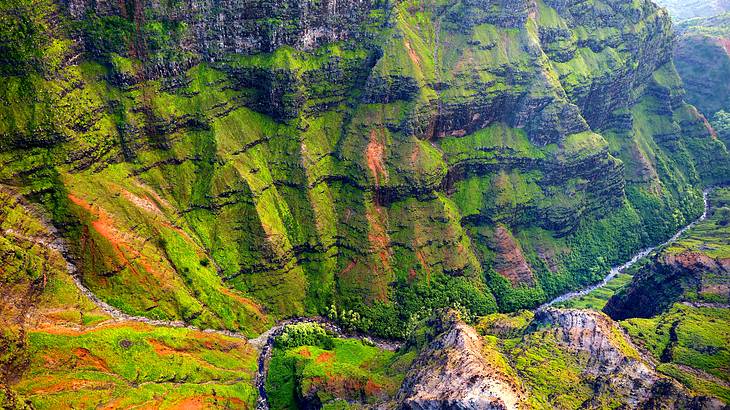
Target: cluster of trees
(305,334)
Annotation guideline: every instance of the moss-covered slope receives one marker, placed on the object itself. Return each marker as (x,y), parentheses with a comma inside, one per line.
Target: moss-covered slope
(229,168)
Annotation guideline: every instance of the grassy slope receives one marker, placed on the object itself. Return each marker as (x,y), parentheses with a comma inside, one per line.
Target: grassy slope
(124,365)
(68,352)
(692,342)
(338,373)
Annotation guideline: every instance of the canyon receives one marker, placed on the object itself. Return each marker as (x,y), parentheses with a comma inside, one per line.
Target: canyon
(336,204)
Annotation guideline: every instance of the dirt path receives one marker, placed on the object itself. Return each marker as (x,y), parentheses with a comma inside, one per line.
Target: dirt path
(637,257)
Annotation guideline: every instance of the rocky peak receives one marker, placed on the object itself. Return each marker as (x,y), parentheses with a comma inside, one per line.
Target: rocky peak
(452,372)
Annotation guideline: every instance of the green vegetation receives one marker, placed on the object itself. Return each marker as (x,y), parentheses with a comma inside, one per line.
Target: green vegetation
(721,123)
(709,237)
(692,345)
(688,330)
(300,197)
(544,366)
(597,299)
(29,43)
(230,179)
(304,334)
(340,373)
(128,365)
(554,362)
(107,35)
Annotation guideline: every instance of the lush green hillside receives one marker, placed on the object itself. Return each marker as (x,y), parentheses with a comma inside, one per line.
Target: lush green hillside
(702,57)
(677,306)
(370,171)
(370,161)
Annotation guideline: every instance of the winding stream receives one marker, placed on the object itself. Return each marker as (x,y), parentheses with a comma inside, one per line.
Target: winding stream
(622,268)
(265,342)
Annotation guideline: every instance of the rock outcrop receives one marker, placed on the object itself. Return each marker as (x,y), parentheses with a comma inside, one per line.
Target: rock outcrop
(453,373)
(612,364)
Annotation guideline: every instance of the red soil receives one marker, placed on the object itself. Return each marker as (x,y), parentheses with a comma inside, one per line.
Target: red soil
(412,54)
(325,357)
(725,43)
(509,261)
(374,156)
(85,359)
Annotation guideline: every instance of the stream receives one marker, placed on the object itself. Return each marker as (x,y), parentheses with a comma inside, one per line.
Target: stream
(265,342)
(637,257)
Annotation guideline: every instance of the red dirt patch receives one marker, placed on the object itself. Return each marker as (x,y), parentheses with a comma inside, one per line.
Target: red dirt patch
(509,261)
(374,155)
(143,203)
(72,385)
(162,349)
(379,240)
(377,234)
(372,388)
(725,43)
(84,358)
(325,357)
(125,246)
(348,268)
(412,54)
(697,114)
(424,265)
(208,402)
(305,352)
(191,403)
(250,304)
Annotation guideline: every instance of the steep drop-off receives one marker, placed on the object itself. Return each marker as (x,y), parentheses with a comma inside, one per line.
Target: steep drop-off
(702,57)
(250,161)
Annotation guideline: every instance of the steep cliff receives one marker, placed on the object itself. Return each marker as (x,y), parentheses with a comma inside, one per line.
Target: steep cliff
(454,372)
(254,160)
(702,57)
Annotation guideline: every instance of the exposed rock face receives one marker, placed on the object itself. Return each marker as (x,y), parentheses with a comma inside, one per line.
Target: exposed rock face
(613,363)
(218,28)
(452,373)
(509,261)
(667,281)
(702,58)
